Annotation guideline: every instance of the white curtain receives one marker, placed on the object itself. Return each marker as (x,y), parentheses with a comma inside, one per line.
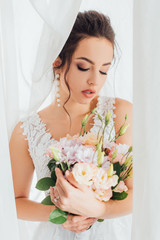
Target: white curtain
(28,31)
(146,117)
(32,34)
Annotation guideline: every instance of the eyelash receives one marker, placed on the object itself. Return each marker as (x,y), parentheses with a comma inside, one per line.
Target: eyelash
(86,69)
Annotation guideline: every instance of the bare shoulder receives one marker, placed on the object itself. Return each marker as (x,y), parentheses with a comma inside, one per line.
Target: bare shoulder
(123,107)
(17,133)
(18,141)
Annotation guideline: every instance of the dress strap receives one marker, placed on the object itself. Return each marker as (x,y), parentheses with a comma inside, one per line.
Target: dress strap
(34,129)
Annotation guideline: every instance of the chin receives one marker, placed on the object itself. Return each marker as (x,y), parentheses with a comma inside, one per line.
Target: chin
(82,100)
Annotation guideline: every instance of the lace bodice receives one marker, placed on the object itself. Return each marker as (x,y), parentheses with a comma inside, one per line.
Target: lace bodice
(39,138)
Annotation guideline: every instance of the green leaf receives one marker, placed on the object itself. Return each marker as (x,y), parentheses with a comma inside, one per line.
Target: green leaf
(65,167)
(117,168)
(89,227)
(44,184)
(119,196)
(52,164)
(47,201)
(58,216)
(53,176)
(100,220)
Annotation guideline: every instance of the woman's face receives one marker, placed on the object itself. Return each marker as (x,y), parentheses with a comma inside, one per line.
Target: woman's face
(88,70)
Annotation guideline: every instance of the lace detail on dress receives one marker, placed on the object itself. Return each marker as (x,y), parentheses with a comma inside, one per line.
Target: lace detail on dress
(39,138)
(38,141)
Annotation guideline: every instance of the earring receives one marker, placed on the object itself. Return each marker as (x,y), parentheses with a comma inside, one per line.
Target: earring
(57,79)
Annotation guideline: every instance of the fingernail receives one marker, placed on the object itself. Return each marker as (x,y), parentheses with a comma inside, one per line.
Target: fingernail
(67,173)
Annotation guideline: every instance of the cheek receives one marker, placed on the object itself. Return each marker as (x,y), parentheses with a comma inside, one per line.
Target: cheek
(76,80)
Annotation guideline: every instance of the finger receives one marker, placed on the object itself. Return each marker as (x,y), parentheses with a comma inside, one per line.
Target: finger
(80,220)
(89,221)
(59,190)
(66,186)
(82,228)
(76,218)
(69,176)
(54,194)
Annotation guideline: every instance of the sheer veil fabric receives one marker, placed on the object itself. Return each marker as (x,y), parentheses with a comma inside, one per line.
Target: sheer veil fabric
(32,35)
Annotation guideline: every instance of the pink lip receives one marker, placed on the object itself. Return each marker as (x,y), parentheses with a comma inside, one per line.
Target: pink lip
(88,95)
(90,90)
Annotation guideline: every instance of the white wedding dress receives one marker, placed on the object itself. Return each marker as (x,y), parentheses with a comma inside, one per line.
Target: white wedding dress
(39,138)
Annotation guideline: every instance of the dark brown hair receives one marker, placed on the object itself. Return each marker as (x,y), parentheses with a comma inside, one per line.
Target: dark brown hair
(87,24)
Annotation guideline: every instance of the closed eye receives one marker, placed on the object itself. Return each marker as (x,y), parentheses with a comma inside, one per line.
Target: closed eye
(82,69)
(104,73)
(86,69)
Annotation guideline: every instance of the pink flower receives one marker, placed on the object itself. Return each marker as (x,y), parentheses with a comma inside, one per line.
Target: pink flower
(93,147)
(100,179)
(89,139)
(103,194)
(119,157)
(69,137)
(112,181)
(121,187)
(83,173)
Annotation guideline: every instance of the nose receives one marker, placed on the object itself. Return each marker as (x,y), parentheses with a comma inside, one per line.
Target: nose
(93,79)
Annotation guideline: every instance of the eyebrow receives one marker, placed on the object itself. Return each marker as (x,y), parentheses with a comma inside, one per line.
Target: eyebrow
(90,61)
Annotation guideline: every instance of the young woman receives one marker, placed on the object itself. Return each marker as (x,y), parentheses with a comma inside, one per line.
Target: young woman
(81,69)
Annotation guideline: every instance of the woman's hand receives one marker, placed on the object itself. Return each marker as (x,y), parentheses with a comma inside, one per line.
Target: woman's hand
(75,198)
(78,223)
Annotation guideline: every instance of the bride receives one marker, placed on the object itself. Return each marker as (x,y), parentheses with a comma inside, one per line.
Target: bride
(80,71)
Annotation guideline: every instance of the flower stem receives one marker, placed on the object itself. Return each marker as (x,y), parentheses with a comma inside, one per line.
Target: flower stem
(111,131)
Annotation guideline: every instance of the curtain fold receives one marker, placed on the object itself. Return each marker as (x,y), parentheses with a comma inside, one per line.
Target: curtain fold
(8,112)
(146,117)
(28,46)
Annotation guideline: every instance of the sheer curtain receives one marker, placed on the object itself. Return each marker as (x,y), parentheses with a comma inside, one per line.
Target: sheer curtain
(146,117)
(28,31)
(8,112)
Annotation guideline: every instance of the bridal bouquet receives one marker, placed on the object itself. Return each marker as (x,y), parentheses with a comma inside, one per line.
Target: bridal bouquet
(101,164)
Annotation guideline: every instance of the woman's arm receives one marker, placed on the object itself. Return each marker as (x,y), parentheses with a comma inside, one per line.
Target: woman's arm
(22,172)
(78,199)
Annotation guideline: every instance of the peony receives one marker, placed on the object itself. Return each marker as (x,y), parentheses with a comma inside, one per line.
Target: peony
(100,179)
(68,136)
(93,147)
(74,151)
(89,139)
(83,173)
(120,187)
(103,194)
(112,181)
